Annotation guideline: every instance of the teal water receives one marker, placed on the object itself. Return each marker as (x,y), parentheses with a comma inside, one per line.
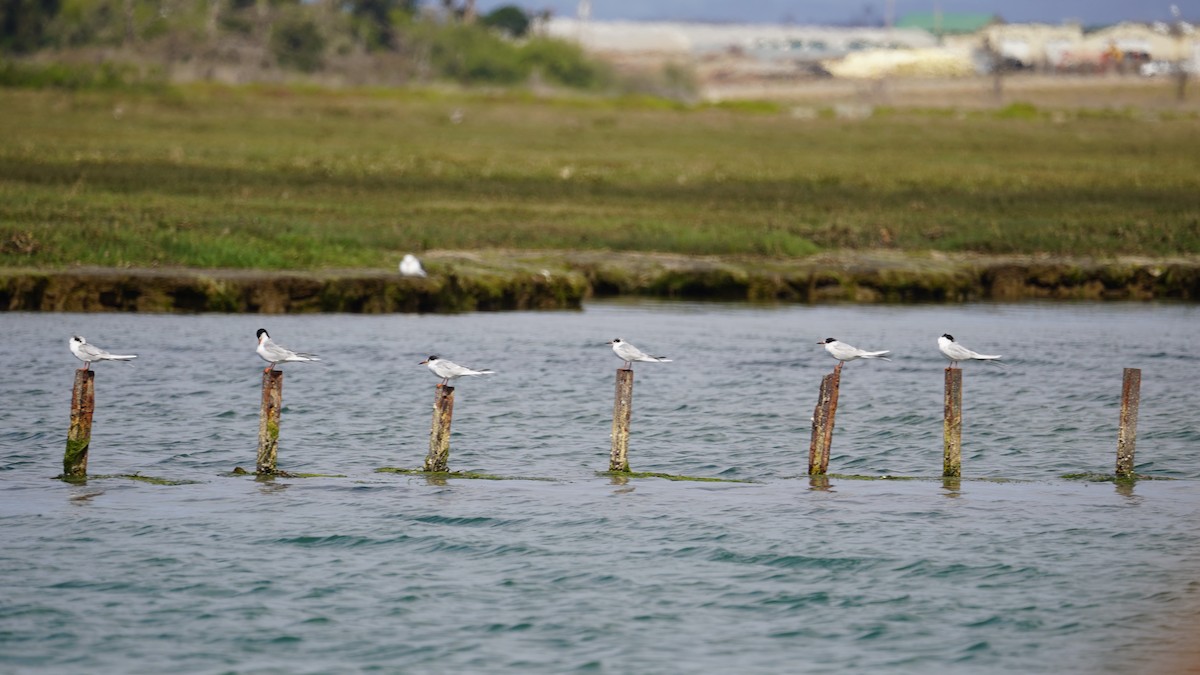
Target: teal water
(389,573)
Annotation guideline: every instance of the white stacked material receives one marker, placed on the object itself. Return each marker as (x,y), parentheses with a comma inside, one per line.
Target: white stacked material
(903,63)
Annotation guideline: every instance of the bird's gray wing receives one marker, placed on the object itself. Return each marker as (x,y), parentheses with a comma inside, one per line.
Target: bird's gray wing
(92,351)
(277,351)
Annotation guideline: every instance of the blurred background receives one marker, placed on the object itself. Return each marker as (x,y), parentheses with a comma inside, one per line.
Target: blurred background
(706,50)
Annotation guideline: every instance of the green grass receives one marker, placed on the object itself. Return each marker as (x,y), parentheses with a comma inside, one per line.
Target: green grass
(282,178)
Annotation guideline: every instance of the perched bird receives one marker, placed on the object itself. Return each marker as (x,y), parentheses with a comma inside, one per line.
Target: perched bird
(449,370)
(844,352)
(411,267)
(273,353)
(88,352)
(956,352)
(628,353)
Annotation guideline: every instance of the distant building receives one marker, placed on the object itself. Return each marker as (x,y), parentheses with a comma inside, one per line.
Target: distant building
(944,44)
(1137,38)
(760,41)
(948,23)
(1034,45)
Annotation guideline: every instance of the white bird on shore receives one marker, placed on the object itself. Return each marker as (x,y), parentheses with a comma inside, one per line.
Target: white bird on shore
(844,352)
(449,370)
(956,352)
(88,352)
(628,353)
(411,267)
(273,353)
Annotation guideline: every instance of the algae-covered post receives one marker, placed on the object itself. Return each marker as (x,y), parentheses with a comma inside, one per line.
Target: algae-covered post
(622,413)
(268,421)
(438,459)
(79,436)
(1131,396)
(952,425)
(822,423)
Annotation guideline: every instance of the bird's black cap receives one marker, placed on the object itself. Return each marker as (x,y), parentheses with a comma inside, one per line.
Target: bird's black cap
(828,340)
(261,332)
(948,336)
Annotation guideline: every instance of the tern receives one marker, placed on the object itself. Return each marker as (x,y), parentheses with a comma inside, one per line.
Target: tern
(411,267)
(628,353)
(449,370)
(844,352)
(956,352)
(273,353)
(88,353)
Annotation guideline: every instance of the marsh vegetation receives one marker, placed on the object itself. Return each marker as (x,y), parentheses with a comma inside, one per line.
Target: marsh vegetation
(300,179)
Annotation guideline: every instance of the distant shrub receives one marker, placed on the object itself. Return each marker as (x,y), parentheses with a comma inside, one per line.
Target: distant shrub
(296,42)
(673,81)
(83,22)
(1019,111)
(509,18)
(24,24)
(473,55)
(72,76)
(375,21)
(563,63)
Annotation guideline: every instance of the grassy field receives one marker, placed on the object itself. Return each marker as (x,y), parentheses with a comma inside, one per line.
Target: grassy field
(300,179)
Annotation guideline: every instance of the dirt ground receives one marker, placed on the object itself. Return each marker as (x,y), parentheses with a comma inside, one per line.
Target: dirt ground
(1069,91)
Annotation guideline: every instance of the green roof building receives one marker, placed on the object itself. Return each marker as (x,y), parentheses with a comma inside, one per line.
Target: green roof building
(948,23)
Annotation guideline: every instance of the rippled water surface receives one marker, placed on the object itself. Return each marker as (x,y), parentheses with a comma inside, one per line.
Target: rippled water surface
(580,572)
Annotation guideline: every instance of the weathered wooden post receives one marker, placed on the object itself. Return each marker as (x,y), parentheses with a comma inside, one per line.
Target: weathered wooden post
(622,413)
(268,422)
(1131,387)
(79,435)
(438,459)
(952,425)
(816,447)
(822,426)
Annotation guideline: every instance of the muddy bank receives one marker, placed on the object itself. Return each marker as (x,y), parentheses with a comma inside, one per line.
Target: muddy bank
(512,280)
(366,292)
(884,276)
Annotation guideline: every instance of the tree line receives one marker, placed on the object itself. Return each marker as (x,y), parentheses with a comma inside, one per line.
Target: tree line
(445,39)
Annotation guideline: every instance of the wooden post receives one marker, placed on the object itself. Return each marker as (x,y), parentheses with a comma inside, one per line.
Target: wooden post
(268,422)
(438,458)
(952,425)
(822,427)
(1131,396)
(79,436)
(622,413)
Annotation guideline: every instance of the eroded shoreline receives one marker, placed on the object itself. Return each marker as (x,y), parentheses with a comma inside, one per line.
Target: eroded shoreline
(494,280)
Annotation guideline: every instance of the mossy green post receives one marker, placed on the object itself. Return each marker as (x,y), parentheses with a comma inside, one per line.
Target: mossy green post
(438,459)
(79,436)
(1131,396)
(622,413)
(268,422)
(822,426)
(952,425)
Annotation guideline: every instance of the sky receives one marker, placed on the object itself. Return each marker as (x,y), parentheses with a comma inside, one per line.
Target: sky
(1088,12)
